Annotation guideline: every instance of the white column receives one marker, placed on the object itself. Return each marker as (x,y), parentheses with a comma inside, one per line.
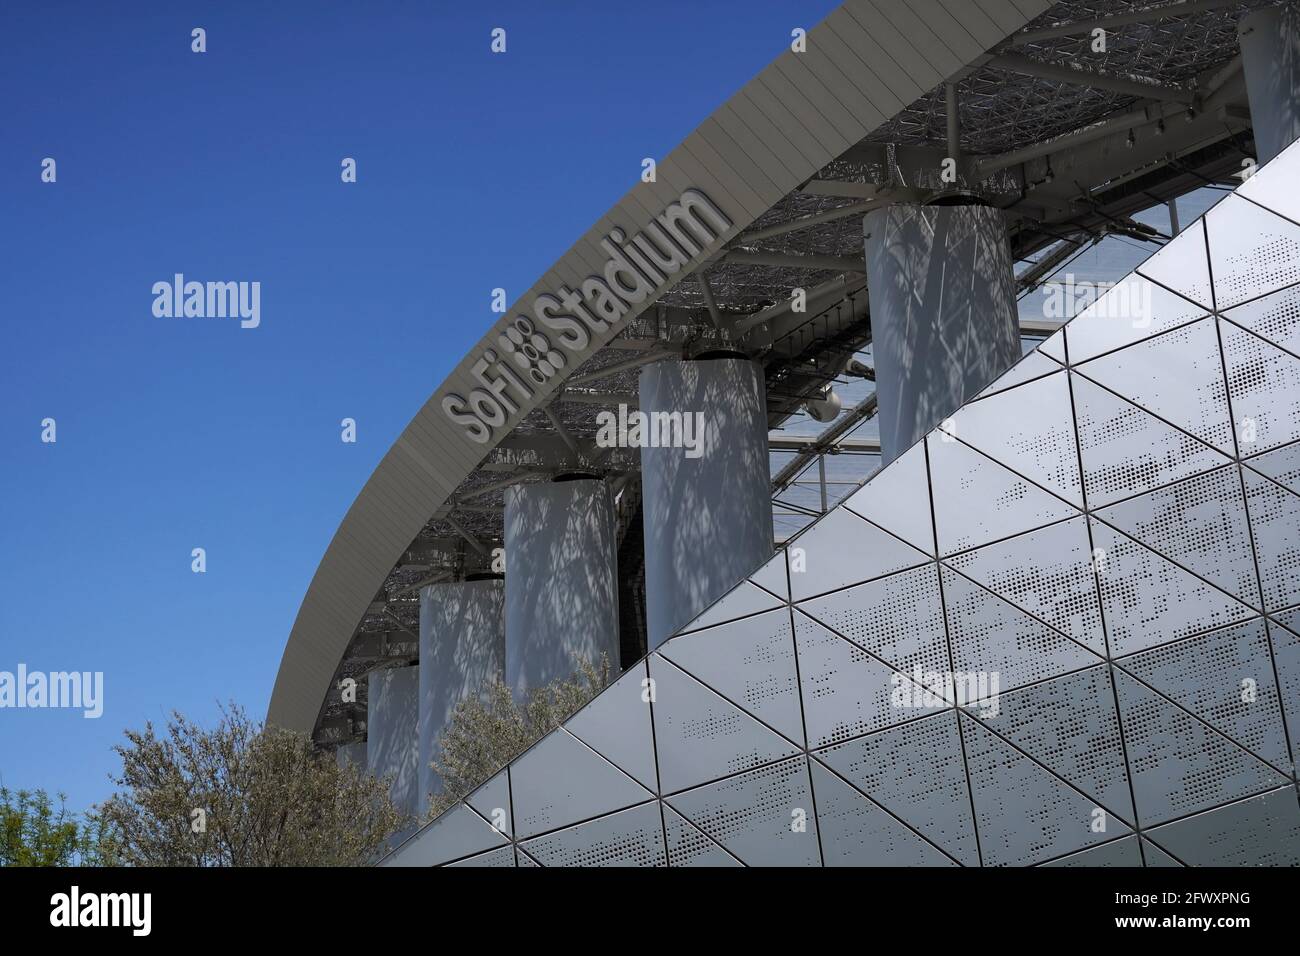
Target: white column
(943,312)
(462,651)
(707,505)
(392,711)
(1270,60)
(561,591)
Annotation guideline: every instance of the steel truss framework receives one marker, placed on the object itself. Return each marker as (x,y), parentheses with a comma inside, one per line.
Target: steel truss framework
(1038,145)
(1063,629)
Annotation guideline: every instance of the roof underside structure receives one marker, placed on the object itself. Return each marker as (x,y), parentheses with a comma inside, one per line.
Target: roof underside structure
(1069,140)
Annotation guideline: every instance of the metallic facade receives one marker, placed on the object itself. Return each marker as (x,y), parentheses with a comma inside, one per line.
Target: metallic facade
(1063,629)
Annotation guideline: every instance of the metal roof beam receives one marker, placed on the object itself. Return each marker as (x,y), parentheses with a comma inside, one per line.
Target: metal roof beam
(790,260)
(1142,15)
(1066,73)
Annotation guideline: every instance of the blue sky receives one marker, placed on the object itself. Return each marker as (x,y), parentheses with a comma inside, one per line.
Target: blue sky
(474,171)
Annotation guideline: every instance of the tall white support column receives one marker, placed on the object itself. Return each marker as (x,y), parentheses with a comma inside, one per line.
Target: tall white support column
(943,312)
(462,651)
(392,747)
(561,591)
(1270,60)
(707,509)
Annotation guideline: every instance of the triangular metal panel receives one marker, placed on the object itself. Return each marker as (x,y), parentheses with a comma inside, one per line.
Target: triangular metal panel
(616,724)
(1032,426)
(1048,573)
(843,549)
(977,500)
(765,817)
(701,736)
(1126,450)
(1178,376)
(750,661)
(561,781)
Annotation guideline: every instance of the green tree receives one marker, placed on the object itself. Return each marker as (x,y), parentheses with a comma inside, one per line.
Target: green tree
(242,794)
(488,731)
(35,831)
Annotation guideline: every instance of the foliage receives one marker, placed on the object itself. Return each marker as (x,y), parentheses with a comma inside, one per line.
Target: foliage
(36,832)
(242,794)
(488,731)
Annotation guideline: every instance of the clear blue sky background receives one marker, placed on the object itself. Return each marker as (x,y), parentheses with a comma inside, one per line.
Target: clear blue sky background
(475,171)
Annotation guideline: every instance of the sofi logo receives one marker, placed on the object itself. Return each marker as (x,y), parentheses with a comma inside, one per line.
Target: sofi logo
(531,350)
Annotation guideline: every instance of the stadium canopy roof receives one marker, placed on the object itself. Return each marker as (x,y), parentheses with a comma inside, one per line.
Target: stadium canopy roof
(768,193)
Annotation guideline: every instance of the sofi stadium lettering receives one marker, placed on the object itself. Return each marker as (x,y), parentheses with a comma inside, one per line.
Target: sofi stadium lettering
(531,350)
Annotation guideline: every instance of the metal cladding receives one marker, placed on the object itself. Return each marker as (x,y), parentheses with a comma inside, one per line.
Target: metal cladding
(392,744)
(462,651)
(1063,629)
(706,494)
(943,312)
(561,590)
(1270,58)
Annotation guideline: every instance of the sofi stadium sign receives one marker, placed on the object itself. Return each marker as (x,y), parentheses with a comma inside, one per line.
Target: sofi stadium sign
(531,350)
